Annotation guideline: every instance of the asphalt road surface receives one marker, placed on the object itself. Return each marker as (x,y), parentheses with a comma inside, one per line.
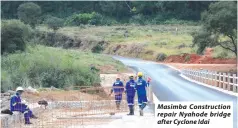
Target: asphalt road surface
(168,85)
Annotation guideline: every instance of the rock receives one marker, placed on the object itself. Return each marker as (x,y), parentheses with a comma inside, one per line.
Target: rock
(11,92)
(6,94)
(5,104)
(112,113)
(52,88)
(31,90)
(6,111)
(181,46)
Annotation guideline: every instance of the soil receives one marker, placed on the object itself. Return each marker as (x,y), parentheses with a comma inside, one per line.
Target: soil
(60,96)
(199,59)
(51,118)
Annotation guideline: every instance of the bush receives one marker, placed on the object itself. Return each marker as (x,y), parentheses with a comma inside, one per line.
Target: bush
(222,55)
(56,40)
(149,52)
(14,35)
(45,67)
(161,57)
(219,52)
(29,13)
(187,58)
(109,21)
(54,23)
(98,48)
(137,19)
(96,19)
(85,18)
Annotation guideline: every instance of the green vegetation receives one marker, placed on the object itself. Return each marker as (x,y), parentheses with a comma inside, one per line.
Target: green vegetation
(220,52)
(14,36)
(84,18)
(29,13)
(54,23)
(135,41)
(150,30)
(219,27)
(187,58)
(161,57)
(41,66)
(116,12)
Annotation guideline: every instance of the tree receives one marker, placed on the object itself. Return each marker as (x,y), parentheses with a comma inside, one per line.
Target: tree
(54,23)
(29,13)
(219,27)
(203,39)
(14,36)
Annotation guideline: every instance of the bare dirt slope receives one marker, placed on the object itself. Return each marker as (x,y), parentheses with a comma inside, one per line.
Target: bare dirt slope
(199,59)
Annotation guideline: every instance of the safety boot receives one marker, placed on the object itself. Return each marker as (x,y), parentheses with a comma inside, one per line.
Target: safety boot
(141,112)
(130,113)
(131,109)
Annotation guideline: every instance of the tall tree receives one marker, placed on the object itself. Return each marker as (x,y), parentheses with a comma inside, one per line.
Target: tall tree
(29,13)
(54,23)
(220,25)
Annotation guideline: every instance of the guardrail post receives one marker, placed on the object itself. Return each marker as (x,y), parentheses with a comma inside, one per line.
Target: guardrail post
(224,81)
(191,74)
(211,78)
(214,78)
(194,74)
(197,75)
(203,76)
(207,77)
(229,81)
(200,76)
(220,80)
(234,83)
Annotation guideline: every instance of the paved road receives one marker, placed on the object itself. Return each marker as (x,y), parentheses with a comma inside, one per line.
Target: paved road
(168,85)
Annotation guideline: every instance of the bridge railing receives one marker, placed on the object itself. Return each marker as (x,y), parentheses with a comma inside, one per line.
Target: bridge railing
(226,81)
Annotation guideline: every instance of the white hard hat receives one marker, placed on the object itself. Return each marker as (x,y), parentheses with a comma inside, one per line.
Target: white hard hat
(19,89)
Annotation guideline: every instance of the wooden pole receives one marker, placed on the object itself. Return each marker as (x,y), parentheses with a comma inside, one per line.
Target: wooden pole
(234,83)
(224,80)
(229,81)
(215,79)
(220,80)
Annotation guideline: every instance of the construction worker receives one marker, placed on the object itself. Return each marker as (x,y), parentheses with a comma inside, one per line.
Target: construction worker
(17,105)
(118,89)
(130,94)
(141,85)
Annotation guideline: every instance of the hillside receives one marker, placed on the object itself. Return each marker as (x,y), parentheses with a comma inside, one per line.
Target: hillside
(41,66)
(146,42)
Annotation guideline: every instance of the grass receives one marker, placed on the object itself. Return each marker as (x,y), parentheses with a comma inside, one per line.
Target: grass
(222,53)
(168,39)
(41,66)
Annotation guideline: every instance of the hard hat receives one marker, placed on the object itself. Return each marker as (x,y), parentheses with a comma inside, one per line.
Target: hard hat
(19,89)
(139,74)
